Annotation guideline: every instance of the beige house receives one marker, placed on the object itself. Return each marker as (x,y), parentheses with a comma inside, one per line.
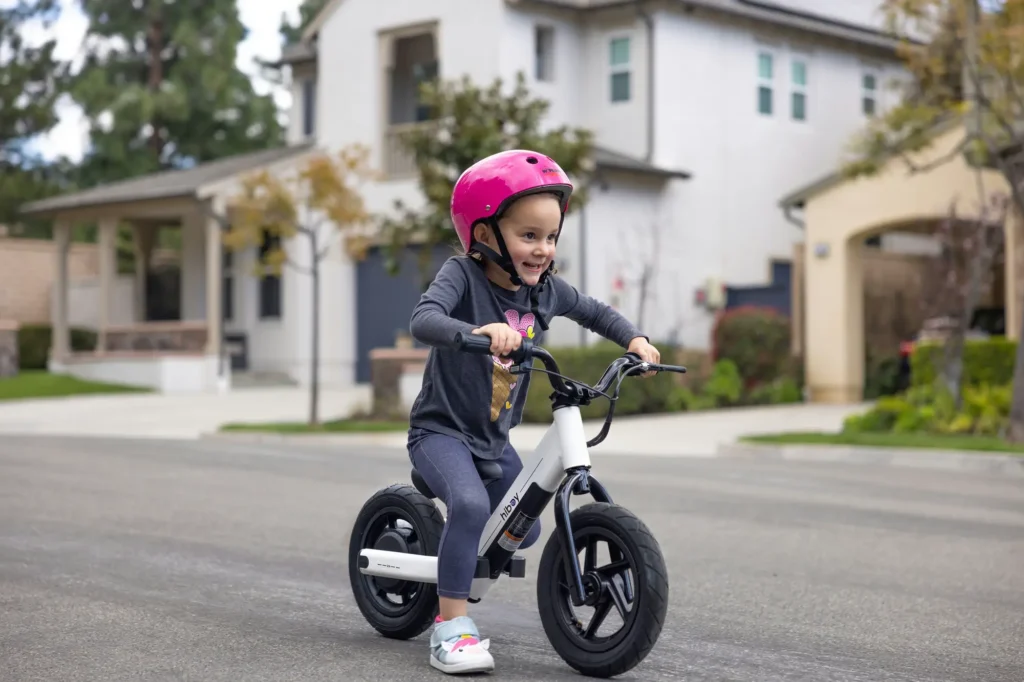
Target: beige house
(838,213)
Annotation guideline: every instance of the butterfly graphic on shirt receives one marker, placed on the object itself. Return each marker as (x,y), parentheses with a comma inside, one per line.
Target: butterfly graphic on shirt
(502,380)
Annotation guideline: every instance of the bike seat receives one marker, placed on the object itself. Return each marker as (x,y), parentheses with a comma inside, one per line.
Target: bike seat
(489,470)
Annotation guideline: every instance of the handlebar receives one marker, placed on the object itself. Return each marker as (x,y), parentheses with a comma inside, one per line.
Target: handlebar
(620,368)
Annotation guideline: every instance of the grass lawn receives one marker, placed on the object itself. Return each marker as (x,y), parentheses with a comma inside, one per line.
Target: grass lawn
(892,440)
(41,384)
(333,426)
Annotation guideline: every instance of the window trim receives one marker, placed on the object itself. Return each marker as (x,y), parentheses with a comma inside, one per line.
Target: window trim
(620,69)
(540,31)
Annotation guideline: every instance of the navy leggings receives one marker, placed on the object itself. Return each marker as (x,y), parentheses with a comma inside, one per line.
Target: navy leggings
(446,465)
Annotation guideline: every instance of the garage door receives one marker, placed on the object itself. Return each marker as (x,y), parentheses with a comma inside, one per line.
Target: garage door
(384,302)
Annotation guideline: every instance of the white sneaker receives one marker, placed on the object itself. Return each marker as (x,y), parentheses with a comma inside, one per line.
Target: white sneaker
(455,647)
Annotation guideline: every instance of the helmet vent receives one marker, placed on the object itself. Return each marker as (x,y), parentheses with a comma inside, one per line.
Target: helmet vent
(531,159)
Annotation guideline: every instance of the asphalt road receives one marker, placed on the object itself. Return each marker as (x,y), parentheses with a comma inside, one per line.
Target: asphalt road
(143,560)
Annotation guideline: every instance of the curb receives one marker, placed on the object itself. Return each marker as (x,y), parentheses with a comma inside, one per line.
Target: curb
(912,458)
(381,439)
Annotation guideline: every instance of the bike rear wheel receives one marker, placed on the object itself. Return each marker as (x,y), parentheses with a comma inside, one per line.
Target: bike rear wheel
(397,518)
(631,585)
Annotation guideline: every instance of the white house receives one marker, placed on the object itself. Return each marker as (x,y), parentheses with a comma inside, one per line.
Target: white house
(782,89)
(693,159)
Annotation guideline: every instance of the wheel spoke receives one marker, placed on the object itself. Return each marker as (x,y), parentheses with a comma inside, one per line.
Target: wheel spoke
(590,558)
(600,613)
(619,599)
(619,566)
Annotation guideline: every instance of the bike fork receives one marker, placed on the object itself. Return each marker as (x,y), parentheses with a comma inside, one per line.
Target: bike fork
(579,482)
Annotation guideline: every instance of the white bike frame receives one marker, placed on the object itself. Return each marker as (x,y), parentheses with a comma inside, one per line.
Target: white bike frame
(561,452)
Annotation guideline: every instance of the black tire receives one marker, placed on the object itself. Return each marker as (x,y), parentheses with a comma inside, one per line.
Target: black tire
(613,655)
(422,533)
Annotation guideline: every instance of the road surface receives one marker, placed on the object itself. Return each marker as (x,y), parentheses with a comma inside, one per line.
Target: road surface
(205,560)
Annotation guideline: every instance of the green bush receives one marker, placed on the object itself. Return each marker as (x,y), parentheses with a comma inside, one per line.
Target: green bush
(931,409)
(639,395)
(34,342)
(757,340)
(782,391)
(986,362)
(881,375)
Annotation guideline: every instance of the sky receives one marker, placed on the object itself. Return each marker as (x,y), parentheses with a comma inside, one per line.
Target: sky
(70,136)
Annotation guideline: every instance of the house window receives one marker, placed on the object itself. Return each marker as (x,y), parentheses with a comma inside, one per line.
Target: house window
(765,68)
(227,285)
(308,107)
(798,95)
(620,74)
(270,284)
(423,72)
(544,53)
(869,94)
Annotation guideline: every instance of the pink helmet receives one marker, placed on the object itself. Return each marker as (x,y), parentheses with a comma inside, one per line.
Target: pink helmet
(485,189)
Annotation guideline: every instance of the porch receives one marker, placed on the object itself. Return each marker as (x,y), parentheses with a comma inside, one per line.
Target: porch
(175,348)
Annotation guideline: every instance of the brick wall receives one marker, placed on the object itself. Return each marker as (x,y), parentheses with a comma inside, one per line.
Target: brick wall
(27,273)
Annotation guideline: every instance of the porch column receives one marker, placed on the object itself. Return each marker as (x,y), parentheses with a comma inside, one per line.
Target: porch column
(834,308)
(1013,257)
(60,345)
(108,273)
(143,239)
(214,284)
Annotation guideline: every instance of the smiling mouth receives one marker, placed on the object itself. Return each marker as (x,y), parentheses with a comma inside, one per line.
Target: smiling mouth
(530,267)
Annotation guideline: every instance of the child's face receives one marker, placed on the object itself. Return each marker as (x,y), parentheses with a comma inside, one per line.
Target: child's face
(529,229)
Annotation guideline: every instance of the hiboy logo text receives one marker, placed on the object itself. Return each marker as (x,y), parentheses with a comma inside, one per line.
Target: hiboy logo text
(509,507)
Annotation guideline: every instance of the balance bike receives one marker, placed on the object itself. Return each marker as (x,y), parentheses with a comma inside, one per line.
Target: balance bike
(393,549)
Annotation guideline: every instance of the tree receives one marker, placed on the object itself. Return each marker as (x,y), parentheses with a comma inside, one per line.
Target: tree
(160,88)
(308,10)
(467,123)
(319,201)
(31,81)
(969,63)
(959,275)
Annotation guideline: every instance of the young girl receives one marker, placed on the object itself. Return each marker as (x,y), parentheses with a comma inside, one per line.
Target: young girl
(508,211)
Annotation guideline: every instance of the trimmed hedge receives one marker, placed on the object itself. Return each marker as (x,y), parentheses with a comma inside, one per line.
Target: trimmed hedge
(34,342)
(987,362)
(639,395)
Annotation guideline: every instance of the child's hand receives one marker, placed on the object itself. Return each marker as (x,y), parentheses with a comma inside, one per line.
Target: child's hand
(504,339)
(646,351)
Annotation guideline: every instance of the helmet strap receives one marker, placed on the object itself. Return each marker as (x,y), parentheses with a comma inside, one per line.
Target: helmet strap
(504,261)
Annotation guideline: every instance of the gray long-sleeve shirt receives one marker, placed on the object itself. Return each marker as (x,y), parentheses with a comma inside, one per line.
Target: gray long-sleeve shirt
(474,397)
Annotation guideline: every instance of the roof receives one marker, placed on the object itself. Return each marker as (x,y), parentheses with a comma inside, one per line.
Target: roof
(758,10)
(295,53)
(606,158)
(165,184)
(798,197)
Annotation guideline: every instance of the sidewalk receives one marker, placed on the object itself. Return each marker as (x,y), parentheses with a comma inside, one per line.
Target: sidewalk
(693,434)
(196,416)
(169,416)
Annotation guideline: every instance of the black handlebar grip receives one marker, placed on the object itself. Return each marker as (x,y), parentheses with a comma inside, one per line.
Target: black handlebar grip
(473,343)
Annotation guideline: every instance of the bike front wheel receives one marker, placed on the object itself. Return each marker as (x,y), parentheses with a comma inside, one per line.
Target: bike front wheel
(627,585)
